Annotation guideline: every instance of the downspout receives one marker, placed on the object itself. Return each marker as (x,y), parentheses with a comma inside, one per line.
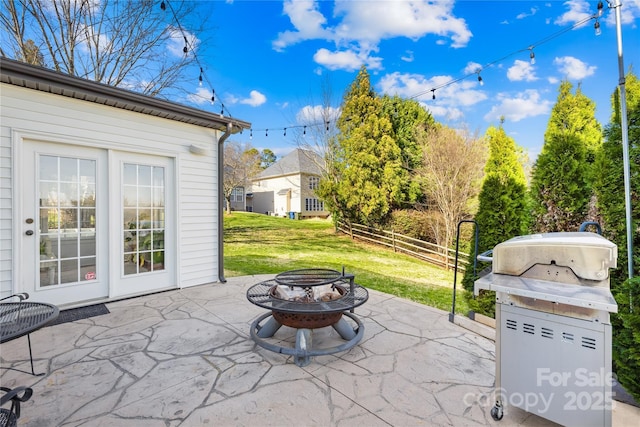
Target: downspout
(221,141)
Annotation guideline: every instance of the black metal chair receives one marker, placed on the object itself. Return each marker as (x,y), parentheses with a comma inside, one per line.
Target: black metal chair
(9,417)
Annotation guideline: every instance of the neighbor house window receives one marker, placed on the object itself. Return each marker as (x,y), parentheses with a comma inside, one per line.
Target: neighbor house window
(313,182)
(237,194)
(313,205)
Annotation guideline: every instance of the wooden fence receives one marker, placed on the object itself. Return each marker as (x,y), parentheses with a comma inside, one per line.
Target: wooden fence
(427,251)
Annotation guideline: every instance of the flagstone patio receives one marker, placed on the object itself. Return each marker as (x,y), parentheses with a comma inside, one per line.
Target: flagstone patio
(186,358)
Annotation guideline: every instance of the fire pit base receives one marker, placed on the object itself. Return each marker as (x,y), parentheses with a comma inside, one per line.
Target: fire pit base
(303,350)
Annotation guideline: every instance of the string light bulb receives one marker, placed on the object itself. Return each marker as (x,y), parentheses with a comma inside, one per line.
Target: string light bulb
(163,6)
(532,55)
(596,26)
(327,124)
(266,132)
(600,9)
(433,94)
(250,133)
(200,78)
(480,79)
(304,130)
(285,132)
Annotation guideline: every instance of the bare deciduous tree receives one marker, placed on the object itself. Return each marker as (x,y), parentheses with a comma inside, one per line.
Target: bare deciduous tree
(451,174)
(241,163)
(131,44)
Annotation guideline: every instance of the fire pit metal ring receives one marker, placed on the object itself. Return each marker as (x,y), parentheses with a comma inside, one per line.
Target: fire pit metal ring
(305,300)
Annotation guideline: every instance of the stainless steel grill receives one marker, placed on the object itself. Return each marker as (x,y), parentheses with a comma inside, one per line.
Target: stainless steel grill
(553,332)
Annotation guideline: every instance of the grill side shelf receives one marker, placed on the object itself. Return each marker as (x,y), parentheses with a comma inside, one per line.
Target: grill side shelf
(597,298)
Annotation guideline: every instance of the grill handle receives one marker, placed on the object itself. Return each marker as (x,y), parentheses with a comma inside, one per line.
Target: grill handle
(486,256)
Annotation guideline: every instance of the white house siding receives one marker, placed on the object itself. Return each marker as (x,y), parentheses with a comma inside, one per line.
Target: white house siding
(279,185)
(66,120)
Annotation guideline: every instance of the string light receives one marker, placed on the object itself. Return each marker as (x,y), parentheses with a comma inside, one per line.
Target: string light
(500,60)
(202,77)
(532,55)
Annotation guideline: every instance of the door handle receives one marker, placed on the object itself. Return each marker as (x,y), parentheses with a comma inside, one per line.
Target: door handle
(29,232)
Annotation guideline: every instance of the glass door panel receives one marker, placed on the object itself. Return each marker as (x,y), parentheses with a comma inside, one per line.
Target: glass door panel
(143,212)
(67,220)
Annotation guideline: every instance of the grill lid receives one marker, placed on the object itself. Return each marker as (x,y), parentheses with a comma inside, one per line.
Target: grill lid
(588,255)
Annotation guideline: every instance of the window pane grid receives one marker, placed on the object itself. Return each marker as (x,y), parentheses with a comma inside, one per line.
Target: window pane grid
(143,218)
(67,229)
(313,205)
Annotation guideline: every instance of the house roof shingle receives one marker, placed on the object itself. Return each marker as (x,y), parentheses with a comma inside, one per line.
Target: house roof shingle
(45,80)
(298,161)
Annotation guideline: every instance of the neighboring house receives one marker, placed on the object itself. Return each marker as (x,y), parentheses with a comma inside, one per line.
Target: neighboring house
(289,186)
(105,193)
(238,200)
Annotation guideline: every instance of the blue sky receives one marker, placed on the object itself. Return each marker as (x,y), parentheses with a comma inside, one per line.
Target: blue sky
(267,60)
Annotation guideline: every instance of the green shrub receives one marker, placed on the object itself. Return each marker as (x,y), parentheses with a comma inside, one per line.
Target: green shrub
(626,340)
(412,223)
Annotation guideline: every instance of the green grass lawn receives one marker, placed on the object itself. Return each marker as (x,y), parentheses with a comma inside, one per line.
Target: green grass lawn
(261,244)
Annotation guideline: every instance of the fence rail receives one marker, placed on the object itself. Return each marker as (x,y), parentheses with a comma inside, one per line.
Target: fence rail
(427,251)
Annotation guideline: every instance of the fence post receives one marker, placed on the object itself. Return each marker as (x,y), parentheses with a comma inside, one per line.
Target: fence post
(393,240)
(350,231)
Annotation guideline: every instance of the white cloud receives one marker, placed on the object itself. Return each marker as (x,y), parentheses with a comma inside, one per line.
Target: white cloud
(377,20)
(521,70)
(630,12)
(450,98)
(176,42)
(531,12)
(472,67)
(573,68)
(523,105)
(578,11)
(307,21)
(255,99)
(201,96)
(346,60)
(408,56)
(314,114)
(360,26)
(553,80)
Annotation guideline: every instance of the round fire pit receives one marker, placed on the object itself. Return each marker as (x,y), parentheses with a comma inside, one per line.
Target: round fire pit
(307,320)
(305,300)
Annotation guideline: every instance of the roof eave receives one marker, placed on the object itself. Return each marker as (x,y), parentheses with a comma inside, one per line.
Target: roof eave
(42,79)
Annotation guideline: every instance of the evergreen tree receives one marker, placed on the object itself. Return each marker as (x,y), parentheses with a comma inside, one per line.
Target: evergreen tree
(502,211)
(561,184)
(407,116)
(365,175)
(609,186)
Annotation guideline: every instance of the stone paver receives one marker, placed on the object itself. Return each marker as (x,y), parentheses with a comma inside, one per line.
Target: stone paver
(185,358)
